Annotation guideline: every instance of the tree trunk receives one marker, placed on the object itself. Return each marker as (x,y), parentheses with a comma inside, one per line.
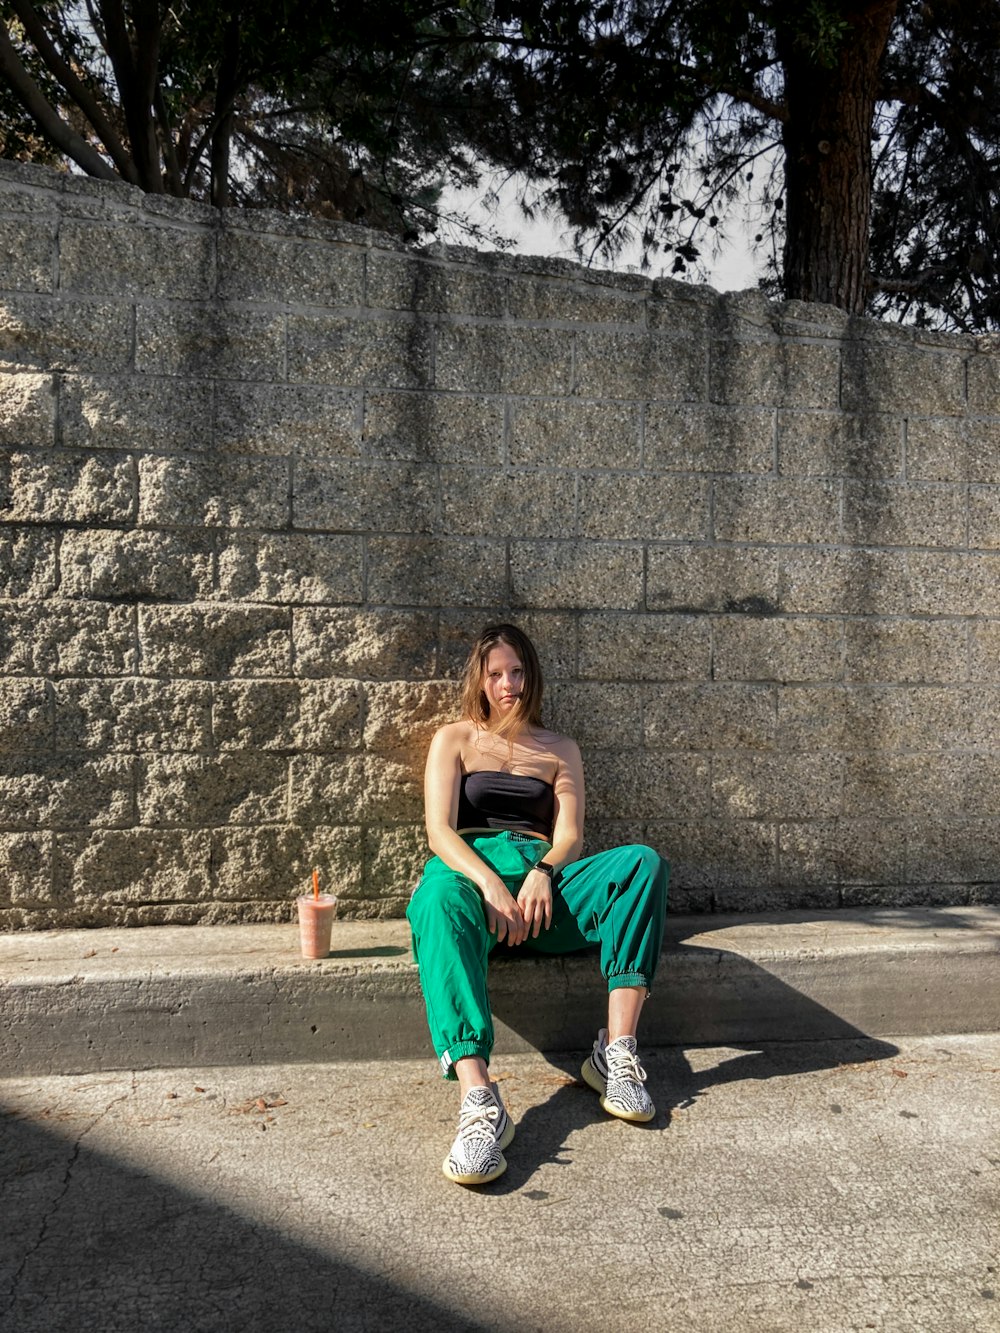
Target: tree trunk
(828,158)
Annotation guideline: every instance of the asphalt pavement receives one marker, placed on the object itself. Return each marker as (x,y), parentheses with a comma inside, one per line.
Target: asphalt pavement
(823,1186)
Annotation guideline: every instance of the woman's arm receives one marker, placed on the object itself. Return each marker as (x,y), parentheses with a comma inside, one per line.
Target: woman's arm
(535,896)
(442,777)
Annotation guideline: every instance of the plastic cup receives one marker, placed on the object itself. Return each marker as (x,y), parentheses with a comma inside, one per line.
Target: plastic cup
(315,921)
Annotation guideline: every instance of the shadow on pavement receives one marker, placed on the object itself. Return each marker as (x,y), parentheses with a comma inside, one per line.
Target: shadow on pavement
(100,1247)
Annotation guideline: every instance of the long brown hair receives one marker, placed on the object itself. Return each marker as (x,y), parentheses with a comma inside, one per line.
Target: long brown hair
(527,712)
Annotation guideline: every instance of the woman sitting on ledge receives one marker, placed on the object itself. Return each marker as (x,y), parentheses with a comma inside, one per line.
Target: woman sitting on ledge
(504,810)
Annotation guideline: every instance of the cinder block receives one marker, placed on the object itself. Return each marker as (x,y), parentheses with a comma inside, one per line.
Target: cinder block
(374,644)
(937,448)
(25,717)
(984,517)
(379,497)
(27,409)
(275,863)
(694,438)
(108,563)
(135,261)
(979,710)
(213,492)
(209,340)
(782,511)
(28,565)
(477,502)
(354,353)
(566,300)
(709,717)
(285,568)
(984,651)
(27,254)
(288,715)
(775,374)
(881,514)
(904,784)
(132,716)
(650,507)
(713,578)
(881,378)
(644,647)
(904,651)
(203,791)
(25,868)
(434,427)
(288,270)
(475,358)
(856,581)
(414,571)
(984,382)
(394,860)
(405,282)
(66,638)
(625,784)
(215,641)
(135,412)
(44,792)
(888,718)
(348,789)
(778,787)
(597,716)
(575,434)
(946,584)
(839,444)
(955,853)
(981,783)
(843,851)
(714,855)
(642,365)
(777,649)
(576,574)
(401,716)
(53,333)
(134,866)
(300,420)
(57,486)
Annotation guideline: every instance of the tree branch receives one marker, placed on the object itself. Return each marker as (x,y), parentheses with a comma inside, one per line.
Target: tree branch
(75,88)
(48,120)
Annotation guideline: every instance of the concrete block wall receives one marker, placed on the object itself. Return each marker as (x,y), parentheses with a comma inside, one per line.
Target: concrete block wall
(260,480)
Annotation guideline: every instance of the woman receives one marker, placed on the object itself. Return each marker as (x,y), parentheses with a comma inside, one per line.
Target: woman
(504,811)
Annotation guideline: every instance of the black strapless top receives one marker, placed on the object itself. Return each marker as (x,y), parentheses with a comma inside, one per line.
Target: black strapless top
(506,800)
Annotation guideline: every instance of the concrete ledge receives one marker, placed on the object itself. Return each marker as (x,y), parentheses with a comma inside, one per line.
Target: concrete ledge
(86,1000)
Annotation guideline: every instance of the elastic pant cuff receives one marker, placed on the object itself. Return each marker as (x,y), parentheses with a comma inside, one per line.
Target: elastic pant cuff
(628,979)
(459,1050)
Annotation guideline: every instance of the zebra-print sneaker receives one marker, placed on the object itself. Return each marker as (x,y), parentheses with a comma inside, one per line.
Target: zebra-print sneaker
(484,1128)
(615,1072)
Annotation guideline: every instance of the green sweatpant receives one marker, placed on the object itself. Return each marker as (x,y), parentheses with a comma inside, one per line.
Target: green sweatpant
(616,899)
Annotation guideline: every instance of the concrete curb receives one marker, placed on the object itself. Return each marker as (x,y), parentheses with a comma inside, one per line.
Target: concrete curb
(80,1001)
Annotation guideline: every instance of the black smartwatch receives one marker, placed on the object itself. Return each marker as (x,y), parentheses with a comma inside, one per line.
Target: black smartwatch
(546,869)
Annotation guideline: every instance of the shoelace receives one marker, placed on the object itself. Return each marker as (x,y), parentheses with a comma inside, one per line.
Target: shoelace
(478,1122)
(623,1063)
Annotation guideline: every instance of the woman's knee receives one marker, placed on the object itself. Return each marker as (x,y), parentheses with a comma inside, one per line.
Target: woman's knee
(444,897)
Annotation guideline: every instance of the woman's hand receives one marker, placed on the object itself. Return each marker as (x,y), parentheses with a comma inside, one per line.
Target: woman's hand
(503,915)
(535,902)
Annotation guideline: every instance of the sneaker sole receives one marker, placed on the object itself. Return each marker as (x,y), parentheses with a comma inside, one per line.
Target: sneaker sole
(475,1177)
(594,1080)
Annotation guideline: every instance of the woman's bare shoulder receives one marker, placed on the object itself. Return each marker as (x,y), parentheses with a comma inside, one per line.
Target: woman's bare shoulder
(453,735)
(563,747)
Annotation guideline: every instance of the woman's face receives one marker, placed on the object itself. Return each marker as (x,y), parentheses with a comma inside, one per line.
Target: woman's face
(503,679)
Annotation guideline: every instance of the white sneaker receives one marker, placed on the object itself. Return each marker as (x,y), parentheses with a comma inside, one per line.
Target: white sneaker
(615,1072)
(484,1128)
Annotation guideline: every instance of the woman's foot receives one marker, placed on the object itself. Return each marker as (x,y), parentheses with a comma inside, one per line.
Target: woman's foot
(484,1129)
(614,1071)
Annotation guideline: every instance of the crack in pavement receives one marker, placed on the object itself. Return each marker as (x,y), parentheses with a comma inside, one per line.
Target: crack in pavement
(53,1208)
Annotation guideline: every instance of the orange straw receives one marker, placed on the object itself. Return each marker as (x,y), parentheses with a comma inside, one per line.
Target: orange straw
(315,883)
